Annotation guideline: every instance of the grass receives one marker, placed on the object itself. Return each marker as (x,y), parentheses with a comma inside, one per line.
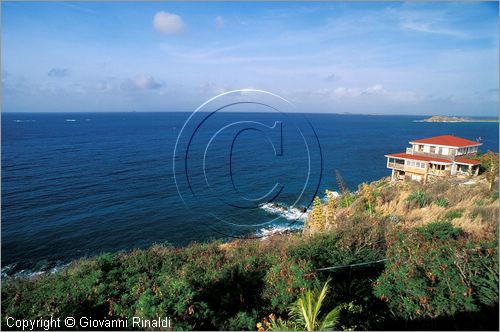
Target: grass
(480,202)
(441,202)
(453,214)
(419,197)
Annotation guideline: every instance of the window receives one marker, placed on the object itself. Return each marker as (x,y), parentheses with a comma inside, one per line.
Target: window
(433,149)
(440,151)
(415,164)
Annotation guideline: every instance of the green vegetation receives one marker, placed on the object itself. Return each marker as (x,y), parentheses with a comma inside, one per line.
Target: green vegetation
(419,197)
(442,202)
(489,166)
(436,271)
(453,214)
(203,286)
(306,314)
(390,266)
(346,197)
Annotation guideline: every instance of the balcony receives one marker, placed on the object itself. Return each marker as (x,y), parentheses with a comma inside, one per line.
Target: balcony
(409,150)
(396,166)
(435,155)
(439,172)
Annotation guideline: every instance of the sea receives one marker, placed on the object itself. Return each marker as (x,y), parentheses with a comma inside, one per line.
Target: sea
(80,184)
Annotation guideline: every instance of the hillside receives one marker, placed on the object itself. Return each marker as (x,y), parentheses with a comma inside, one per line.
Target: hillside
(398,256)
(468,204)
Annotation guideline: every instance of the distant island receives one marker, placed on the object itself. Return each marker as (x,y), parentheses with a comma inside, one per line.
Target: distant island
(443,118)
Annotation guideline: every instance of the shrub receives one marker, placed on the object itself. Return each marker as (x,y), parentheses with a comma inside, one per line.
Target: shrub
(454,214)
(480,202)
(489,162)
(493,195)
(243,321)
(419,197)
(434,271)
(369,197)
(347,199)
(285,281)
(442,202)
(387,195)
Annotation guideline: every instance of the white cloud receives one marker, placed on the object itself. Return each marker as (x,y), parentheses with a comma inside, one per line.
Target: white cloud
(375,92)
(347,92)
(376,89)
(219,22)
(141,82)
(167,23)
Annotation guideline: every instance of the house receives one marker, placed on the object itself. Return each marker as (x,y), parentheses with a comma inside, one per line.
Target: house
(435,156)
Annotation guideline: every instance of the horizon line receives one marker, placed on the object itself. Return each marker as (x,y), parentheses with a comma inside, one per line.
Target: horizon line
(325,113)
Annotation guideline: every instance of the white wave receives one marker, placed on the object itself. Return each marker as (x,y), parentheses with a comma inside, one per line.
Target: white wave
(290,213)
(70,120)
(329,194)
(28,273)
(23,120)
(266,232)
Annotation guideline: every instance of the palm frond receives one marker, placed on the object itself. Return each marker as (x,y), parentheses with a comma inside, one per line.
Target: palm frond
(305,312)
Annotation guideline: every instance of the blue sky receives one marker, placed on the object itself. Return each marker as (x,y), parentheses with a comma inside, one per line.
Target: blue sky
(391,58)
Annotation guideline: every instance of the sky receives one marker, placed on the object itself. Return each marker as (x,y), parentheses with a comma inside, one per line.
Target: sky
(369,58)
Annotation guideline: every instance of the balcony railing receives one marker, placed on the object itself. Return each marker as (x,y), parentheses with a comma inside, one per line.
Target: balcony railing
(439,172)
(436,155)
(396,166)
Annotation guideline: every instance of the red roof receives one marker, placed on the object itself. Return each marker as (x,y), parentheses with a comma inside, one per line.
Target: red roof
(415,157)
(466,161)
(447,140)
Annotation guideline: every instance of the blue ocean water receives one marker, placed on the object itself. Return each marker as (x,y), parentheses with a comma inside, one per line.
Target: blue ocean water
(76,185)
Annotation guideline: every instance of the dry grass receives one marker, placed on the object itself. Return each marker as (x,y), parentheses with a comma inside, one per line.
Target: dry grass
(472,207)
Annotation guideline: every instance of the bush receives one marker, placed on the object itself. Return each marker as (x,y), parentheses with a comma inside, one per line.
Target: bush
(419,197)
(480,202)
(285,281)
(347,199)
(434,271)
(454,214)
(493,195)
(442,202)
